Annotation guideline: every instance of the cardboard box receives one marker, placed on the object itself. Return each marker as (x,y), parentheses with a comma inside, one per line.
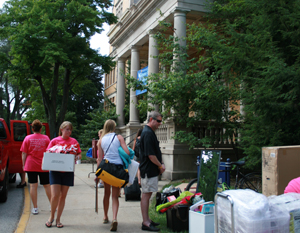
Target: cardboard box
(201,223)
(279,166)
(58,162)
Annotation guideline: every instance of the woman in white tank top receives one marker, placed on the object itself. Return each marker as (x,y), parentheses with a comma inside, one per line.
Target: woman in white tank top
(108,146)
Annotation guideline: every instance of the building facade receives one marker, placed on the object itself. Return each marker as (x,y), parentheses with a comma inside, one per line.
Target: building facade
(131,39)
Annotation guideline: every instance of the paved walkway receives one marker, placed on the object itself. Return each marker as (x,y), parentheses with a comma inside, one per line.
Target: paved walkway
(79,214)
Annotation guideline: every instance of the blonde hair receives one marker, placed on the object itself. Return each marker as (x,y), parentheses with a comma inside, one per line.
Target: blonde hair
(109,127)
(100,132)
(64,125)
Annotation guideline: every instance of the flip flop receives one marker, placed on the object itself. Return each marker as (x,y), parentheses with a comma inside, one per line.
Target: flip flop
(59,225)
(49,224)
(105,220)
(114,226)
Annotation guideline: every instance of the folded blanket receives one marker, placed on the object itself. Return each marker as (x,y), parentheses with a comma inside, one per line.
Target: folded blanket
(125,157)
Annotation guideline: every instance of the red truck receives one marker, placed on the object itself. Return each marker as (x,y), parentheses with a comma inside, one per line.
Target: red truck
(10,156)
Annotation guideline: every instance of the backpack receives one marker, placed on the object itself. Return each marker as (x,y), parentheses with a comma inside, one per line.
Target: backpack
(137,148)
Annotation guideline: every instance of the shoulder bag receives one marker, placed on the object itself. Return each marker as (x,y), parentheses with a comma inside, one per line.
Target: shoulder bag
(112,174)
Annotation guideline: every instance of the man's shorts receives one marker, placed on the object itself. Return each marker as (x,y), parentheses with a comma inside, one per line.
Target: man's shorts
(33,177)
(62,178)
(149,185)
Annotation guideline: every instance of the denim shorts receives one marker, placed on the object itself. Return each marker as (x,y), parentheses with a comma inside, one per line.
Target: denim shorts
(33,177)
(149,185)
(62,178)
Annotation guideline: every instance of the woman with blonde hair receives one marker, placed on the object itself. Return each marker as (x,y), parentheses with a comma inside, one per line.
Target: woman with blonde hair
(61,181)
(108,146)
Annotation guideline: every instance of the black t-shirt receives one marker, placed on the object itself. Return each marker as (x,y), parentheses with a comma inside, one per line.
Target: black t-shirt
(149,146)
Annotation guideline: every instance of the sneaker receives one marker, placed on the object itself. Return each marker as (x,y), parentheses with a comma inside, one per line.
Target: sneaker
(100,185)
(35,211)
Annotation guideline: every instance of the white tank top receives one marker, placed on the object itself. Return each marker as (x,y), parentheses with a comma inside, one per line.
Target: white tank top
(112,154)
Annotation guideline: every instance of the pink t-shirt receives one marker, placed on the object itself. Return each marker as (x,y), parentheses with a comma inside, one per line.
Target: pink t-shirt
(60,141)
(293,186)
(34,145)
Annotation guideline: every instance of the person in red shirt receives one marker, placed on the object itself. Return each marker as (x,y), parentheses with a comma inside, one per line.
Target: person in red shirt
(61,181)
(33,148)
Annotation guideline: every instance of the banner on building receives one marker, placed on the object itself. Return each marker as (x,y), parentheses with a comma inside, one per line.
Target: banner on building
(142,76)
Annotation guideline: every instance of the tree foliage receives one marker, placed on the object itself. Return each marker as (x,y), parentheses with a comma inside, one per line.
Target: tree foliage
(95,122)
(50,48)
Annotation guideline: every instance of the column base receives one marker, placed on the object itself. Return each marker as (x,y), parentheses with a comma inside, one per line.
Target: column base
(134,123)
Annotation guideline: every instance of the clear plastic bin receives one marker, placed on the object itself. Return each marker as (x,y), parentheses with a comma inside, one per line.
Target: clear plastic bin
(234,210)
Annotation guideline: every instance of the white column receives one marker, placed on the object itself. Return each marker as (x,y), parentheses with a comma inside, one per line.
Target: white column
(120,92)
(180,31)
(153,62)
(135,66)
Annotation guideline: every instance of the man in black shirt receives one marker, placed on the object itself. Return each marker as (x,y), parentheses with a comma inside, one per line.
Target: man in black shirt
(151,166)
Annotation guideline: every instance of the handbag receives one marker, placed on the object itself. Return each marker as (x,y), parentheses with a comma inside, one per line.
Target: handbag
(162,198)
(112,174)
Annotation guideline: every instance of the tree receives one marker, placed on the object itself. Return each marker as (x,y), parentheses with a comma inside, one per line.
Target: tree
(50,48)
(10,93)
(95,122)
(258,41)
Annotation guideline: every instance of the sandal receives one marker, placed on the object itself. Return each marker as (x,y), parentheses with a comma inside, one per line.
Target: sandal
(59,225)
(114,226)
(49,224)
(105,220)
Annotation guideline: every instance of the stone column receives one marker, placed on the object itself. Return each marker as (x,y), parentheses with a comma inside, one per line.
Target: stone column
(135,66)
(180,32)
(153,62)
(120,92)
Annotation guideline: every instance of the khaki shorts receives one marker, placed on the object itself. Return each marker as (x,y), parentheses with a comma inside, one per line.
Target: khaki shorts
(149,185)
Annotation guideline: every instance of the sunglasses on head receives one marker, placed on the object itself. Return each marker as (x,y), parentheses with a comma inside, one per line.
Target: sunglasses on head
(159,121)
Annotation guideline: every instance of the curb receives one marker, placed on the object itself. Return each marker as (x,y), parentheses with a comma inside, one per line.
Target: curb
(26,212)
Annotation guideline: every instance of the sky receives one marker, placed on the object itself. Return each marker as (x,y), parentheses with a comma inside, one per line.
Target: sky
(98,41)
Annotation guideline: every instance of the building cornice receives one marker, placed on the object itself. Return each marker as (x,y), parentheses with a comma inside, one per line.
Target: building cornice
(132,19)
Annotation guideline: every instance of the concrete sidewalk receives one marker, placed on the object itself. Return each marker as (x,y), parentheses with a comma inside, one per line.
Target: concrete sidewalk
(79,214)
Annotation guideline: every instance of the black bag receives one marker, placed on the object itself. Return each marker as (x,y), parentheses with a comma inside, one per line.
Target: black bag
(161,198)
(137,148)
(112,174)
(178,218)
(133,192)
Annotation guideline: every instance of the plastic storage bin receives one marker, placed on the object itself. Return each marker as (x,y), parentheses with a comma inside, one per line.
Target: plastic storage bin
(200,223)
(247,211)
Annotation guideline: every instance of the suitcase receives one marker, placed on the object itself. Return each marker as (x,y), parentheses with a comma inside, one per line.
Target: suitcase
(133,192)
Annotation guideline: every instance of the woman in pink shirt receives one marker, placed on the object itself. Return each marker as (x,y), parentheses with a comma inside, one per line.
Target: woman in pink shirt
(33,148)
(293,186)
(61,181)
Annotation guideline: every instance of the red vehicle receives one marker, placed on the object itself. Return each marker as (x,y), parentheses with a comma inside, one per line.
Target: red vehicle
(10,155)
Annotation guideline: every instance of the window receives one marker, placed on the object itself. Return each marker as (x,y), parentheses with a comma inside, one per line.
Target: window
(2,131)
(20,131)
